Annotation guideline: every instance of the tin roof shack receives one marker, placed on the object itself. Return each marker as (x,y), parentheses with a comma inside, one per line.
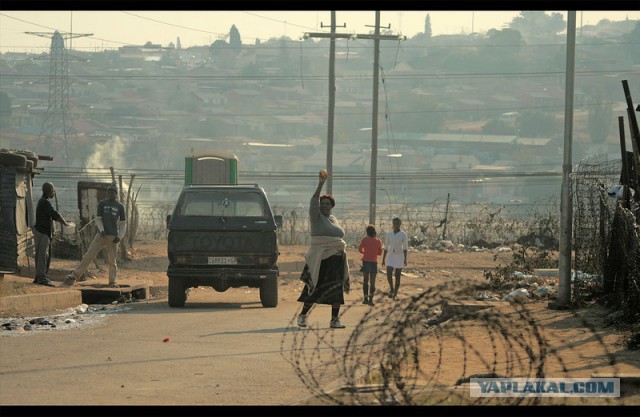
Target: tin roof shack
(17,212)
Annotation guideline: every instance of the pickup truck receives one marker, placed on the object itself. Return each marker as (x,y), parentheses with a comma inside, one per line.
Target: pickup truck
(223,236)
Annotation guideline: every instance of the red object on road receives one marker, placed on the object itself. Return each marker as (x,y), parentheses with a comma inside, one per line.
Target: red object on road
(166,339)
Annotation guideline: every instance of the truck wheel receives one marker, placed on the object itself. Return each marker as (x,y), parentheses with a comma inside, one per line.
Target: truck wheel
(269,292)
(177,293)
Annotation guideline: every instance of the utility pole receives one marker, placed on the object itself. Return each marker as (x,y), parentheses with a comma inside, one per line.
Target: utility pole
(332,90)
(377,37)
(374,128)
(566,208)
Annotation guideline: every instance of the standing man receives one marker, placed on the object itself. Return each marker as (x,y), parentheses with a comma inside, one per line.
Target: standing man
(42,233)
(395,254)
(111,222)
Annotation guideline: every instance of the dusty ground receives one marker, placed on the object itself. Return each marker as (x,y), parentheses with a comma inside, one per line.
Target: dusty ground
(148,262)
(511,341)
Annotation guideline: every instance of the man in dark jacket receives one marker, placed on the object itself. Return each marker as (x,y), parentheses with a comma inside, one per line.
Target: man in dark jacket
(42,232)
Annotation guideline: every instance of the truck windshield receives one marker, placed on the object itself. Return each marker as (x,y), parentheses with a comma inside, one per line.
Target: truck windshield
(221,203)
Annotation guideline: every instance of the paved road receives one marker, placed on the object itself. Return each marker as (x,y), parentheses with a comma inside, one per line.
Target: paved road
(223,349)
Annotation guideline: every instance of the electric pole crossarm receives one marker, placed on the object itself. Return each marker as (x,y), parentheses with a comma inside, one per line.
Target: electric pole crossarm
(328,35)
(64,35)
(382,37)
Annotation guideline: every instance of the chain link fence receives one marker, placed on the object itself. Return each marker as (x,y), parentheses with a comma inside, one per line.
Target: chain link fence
(605,238)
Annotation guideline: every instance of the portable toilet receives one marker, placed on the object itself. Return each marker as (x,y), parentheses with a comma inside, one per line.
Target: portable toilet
(210,167)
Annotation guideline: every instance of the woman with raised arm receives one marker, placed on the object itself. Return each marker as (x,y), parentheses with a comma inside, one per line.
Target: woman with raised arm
(326,273)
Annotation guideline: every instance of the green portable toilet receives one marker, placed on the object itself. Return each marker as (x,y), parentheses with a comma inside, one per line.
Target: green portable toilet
(210,167)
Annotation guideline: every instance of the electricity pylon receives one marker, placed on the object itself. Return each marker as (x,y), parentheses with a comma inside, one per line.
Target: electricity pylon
(58,121)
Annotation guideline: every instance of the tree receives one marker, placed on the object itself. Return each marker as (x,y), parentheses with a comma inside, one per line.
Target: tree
(5,109)
(252,69)
(505,37)
(222,54)
(182,100)
(498,127)
(508,56)
(418,113)
(427,26)
(234,38)
(537,25)
(535,124)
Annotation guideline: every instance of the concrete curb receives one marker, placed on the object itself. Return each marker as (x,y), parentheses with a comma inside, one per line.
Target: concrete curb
(51,302)
(46,302)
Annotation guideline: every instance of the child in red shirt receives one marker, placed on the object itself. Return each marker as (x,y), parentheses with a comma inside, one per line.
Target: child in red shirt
(370,247)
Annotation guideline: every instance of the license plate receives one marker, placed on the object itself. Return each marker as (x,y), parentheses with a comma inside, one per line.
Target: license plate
(222,260)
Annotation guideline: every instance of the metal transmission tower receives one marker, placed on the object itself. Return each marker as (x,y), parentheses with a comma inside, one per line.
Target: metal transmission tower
(57,121)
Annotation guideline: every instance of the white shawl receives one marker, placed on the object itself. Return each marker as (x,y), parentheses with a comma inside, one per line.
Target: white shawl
(322,247)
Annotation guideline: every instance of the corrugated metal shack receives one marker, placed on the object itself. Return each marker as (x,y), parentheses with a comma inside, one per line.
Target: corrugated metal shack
(17,212)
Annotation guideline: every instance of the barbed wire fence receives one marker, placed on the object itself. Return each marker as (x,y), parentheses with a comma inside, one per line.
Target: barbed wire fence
(413,352)
(483,224)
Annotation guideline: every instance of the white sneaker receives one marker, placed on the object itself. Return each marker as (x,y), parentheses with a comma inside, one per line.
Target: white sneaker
(335,324)
(69,281)
(302,320)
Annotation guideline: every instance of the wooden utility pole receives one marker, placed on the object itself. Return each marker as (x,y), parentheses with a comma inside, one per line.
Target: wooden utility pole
(377,37)
(332,89)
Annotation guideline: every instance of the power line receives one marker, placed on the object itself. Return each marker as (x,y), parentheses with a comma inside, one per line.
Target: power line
(360,76)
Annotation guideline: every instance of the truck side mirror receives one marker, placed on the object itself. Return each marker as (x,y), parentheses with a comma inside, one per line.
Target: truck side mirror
(168,220)
(278,219)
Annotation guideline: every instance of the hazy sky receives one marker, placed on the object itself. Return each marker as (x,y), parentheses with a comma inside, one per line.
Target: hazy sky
(111,29)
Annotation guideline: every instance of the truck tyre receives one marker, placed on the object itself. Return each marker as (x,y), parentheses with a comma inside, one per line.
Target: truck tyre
(177,293)
(269,292)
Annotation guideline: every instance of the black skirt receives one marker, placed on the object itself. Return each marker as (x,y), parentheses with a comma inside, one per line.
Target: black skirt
(330,280)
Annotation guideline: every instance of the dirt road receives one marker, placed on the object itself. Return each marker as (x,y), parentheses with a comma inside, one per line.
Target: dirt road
(225,349)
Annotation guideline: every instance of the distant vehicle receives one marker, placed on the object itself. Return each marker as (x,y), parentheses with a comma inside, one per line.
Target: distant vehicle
(509,117)
(223,236)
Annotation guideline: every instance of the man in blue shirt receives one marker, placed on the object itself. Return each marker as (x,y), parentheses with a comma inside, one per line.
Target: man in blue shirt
(111,222)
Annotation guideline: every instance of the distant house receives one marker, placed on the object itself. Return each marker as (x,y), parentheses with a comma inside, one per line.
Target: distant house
(542,148)
(453,162)
(342,162)
(239,97)
(211,98)
(486,148)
